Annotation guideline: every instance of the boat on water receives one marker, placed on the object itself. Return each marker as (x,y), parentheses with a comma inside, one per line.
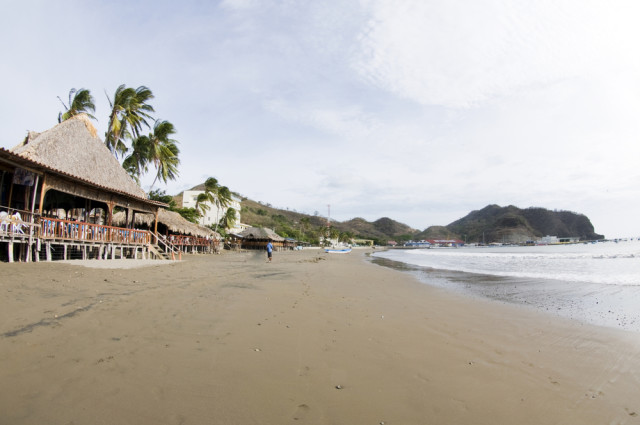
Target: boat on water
(337,250)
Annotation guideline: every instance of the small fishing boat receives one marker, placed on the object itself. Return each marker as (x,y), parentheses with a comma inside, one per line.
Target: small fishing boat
(337,250)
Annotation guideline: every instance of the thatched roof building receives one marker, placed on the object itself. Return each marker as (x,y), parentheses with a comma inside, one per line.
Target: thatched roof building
(72,169)
(173,222)
(74,147)
(258,238)
(260,233)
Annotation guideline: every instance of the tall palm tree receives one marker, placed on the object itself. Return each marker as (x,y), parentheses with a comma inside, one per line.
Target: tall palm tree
(80,101)
(217,195)
(164,151)
(129,112)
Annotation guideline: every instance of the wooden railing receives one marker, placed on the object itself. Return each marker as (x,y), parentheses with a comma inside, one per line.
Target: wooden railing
(165,244)
(182,240)
(54,228)
(16,223)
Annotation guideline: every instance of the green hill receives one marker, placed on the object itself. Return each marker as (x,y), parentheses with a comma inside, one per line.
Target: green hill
(309,228)
(511,224)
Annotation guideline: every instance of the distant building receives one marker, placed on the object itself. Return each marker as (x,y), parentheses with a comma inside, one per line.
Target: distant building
(446,242)
(213,214)
(361,242)
(550,240)
(418,244)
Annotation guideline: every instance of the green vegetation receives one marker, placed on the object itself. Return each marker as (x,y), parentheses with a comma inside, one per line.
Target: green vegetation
(311,228)
(214,194)
(130,113)
(491,224)
(511,224)
(190,214)
(161,196)
(80,101)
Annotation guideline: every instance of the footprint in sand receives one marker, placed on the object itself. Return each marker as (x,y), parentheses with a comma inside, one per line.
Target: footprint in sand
(301,412)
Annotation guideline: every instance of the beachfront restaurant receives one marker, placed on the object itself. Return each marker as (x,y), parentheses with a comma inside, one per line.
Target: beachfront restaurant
(176,231)
(59,191)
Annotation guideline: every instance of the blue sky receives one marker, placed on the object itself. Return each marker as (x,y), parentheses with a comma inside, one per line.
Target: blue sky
(421,111)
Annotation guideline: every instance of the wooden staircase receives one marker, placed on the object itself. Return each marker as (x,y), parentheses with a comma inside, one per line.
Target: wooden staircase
(164,249)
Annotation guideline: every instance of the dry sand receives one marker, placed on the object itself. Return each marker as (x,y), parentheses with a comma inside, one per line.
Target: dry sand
(311,338)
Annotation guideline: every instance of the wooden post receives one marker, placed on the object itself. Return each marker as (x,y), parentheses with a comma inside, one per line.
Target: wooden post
(10,251)
(47,246)
(110,206)
(43,191)
(155,226)
(32,221)
(10,194)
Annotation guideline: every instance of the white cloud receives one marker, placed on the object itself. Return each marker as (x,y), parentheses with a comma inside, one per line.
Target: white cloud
(460,54)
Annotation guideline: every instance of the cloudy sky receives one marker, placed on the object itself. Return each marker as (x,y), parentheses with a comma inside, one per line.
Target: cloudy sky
(421,111)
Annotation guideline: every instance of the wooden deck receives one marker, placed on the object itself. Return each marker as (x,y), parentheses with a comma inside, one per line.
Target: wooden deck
(46,238)
(67,230)
(43,238)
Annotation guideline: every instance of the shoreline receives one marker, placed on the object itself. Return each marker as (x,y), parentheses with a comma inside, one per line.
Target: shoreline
(609,306)
(310,338)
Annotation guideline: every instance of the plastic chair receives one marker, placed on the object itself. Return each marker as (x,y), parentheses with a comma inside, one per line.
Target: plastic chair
(4,221)
(16,223)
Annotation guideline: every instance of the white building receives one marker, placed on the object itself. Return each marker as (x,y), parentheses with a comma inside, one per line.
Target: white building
(213,214)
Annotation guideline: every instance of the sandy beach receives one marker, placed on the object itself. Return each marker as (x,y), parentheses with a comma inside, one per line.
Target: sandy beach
(310,338)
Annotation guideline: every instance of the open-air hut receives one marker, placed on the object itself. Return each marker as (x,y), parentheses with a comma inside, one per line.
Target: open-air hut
(65,185)
(177,231)
(258,237)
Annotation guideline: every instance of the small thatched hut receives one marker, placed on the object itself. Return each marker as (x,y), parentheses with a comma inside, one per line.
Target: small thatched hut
(185,235)
(258,237)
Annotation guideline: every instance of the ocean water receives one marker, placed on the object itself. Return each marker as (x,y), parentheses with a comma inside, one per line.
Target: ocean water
(595,283)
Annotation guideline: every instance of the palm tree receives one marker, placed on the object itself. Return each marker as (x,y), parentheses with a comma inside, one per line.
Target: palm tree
(220,196)
(80,101)
(129,112)
(157,149)
(228,220)
(136,164)
(164,151)
(211,189)
(201,204)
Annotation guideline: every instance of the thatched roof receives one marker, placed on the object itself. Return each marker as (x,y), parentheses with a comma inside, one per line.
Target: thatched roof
(74,148)
(174,222)
(260,233)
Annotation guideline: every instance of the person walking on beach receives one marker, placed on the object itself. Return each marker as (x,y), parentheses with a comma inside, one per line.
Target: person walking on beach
(269,251)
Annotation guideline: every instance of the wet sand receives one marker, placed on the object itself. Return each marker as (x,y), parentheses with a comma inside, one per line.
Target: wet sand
(311,338)
(615,306)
